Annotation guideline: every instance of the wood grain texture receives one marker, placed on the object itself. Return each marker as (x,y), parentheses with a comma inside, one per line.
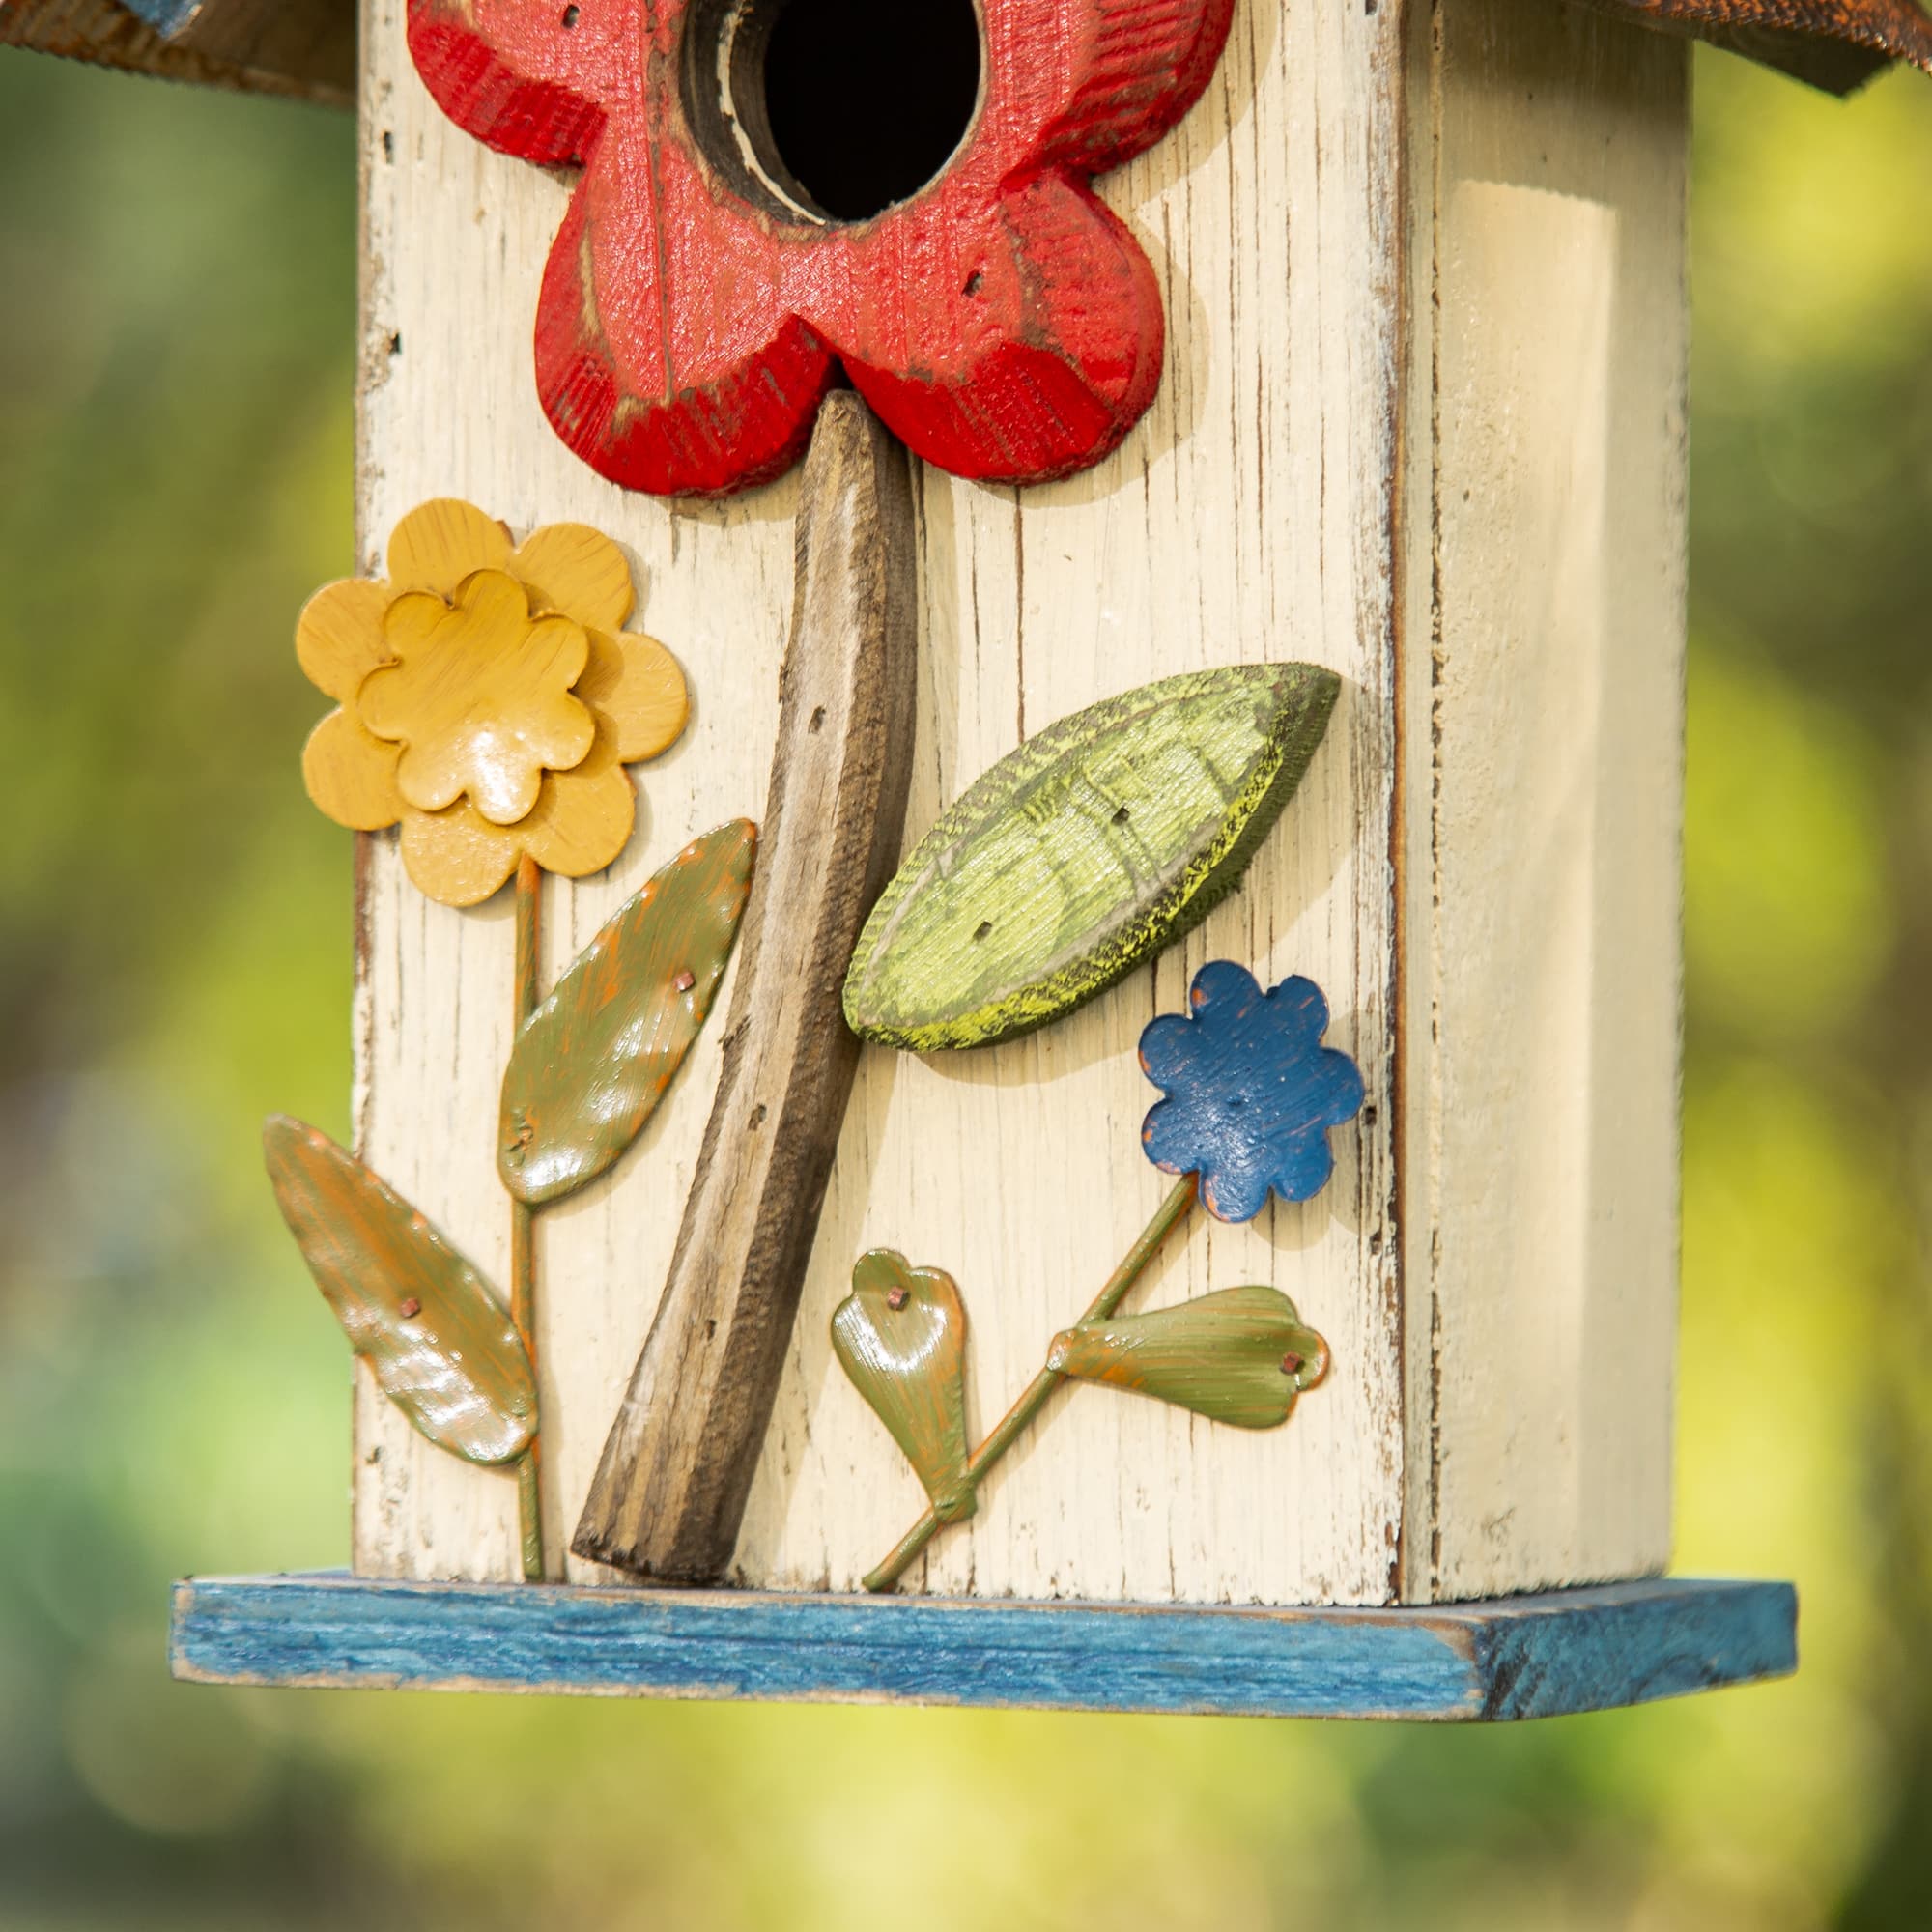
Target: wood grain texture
(1521,1657)
(1093,846)
(1246,520)
(669,1493)
(1542,726)
(446,410)
(301,47)
(1289,495)
(696,302)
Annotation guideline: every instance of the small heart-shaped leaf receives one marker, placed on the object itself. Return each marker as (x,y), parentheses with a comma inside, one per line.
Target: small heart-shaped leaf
(414,1310)
(594,1059)
(901,1337)
(1240,1355)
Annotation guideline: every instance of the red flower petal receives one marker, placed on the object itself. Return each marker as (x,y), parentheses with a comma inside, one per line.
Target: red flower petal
(666,356)
(1035,361)
(1095,82)
(1002,321)
(516,77)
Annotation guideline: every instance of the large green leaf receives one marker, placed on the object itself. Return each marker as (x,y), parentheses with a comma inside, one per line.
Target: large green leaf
(414,1310)
(1087,850)
(591,1064)
(1239,1355)
(900,1335)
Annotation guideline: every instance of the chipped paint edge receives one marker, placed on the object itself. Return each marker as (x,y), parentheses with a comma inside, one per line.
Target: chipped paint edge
(1505,1659)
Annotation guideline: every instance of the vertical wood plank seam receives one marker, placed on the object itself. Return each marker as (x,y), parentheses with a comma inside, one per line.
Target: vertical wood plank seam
(1399,507)
(362,996)
(1433,1086)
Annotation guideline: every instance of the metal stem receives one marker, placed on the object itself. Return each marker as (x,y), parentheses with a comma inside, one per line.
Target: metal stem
(1010,1425)
(522,1226)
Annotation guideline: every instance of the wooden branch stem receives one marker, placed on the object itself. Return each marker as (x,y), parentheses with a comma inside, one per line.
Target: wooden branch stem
(669,1493)
(1013,1424)
(523,1229)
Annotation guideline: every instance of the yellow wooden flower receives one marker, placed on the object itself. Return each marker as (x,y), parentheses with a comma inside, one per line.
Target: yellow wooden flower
(489,699)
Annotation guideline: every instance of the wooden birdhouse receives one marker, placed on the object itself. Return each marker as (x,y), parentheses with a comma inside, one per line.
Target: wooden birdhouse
(1013,708)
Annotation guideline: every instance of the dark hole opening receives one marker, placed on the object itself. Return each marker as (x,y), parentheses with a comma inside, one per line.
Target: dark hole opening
(866,99)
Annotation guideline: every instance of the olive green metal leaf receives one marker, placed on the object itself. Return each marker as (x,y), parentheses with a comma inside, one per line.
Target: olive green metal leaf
(1090,848)
(1239,1355)
(414,1310)
(591,1064)
(900,1336)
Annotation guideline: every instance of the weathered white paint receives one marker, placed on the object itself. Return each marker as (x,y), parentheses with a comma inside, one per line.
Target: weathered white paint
(1280,499)
(1543,725)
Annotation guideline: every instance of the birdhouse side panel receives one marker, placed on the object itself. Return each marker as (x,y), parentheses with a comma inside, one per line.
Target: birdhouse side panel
(1543,797)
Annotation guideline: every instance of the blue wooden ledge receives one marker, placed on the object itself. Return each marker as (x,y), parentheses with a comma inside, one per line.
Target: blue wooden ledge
(1514,1657)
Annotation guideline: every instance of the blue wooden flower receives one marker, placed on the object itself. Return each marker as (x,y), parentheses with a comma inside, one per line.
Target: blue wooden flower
(1251,1090)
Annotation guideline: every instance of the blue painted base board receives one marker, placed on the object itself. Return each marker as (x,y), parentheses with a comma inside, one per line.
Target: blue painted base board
(1514,1657)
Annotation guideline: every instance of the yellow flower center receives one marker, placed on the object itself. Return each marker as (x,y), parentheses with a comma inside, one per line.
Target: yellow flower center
(479,697)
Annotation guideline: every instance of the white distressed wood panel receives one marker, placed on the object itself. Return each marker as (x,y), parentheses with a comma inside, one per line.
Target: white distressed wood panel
(1544,730)
(1252,514)
(455,240)
(1248,518)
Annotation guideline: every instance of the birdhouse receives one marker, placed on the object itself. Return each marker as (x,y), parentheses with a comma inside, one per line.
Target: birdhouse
(1012,706)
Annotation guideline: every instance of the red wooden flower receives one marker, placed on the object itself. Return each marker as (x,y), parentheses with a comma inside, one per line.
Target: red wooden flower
(694,310)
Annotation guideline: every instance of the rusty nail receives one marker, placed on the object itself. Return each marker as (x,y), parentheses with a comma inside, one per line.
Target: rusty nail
(410,1309)
(896,1297)
(686,980)
(1290,1364)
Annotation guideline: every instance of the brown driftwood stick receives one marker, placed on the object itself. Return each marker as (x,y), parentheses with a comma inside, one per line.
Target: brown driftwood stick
(670,1490)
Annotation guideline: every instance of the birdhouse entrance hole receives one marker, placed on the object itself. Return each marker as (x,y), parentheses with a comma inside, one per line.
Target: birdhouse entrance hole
(838,109)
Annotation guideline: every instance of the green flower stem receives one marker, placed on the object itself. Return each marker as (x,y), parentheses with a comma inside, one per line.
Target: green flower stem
(1012,1425)
(523,1228)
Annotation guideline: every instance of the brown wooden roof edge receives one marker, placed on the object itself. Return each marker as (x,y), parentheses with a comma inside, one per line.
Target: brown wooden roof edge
(306,48)
(301,48)
(1834,44)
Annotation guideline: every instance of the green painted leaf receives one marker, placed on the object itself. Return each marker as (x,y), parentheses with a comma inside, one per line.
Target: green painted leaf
(591,1064)
(1087,850)
(1239,1355)
(442,1347)
(900,1336)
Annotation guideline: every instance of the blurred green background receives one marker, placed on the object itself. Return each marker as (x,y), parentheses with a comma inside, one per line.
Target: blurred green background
(177,285)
